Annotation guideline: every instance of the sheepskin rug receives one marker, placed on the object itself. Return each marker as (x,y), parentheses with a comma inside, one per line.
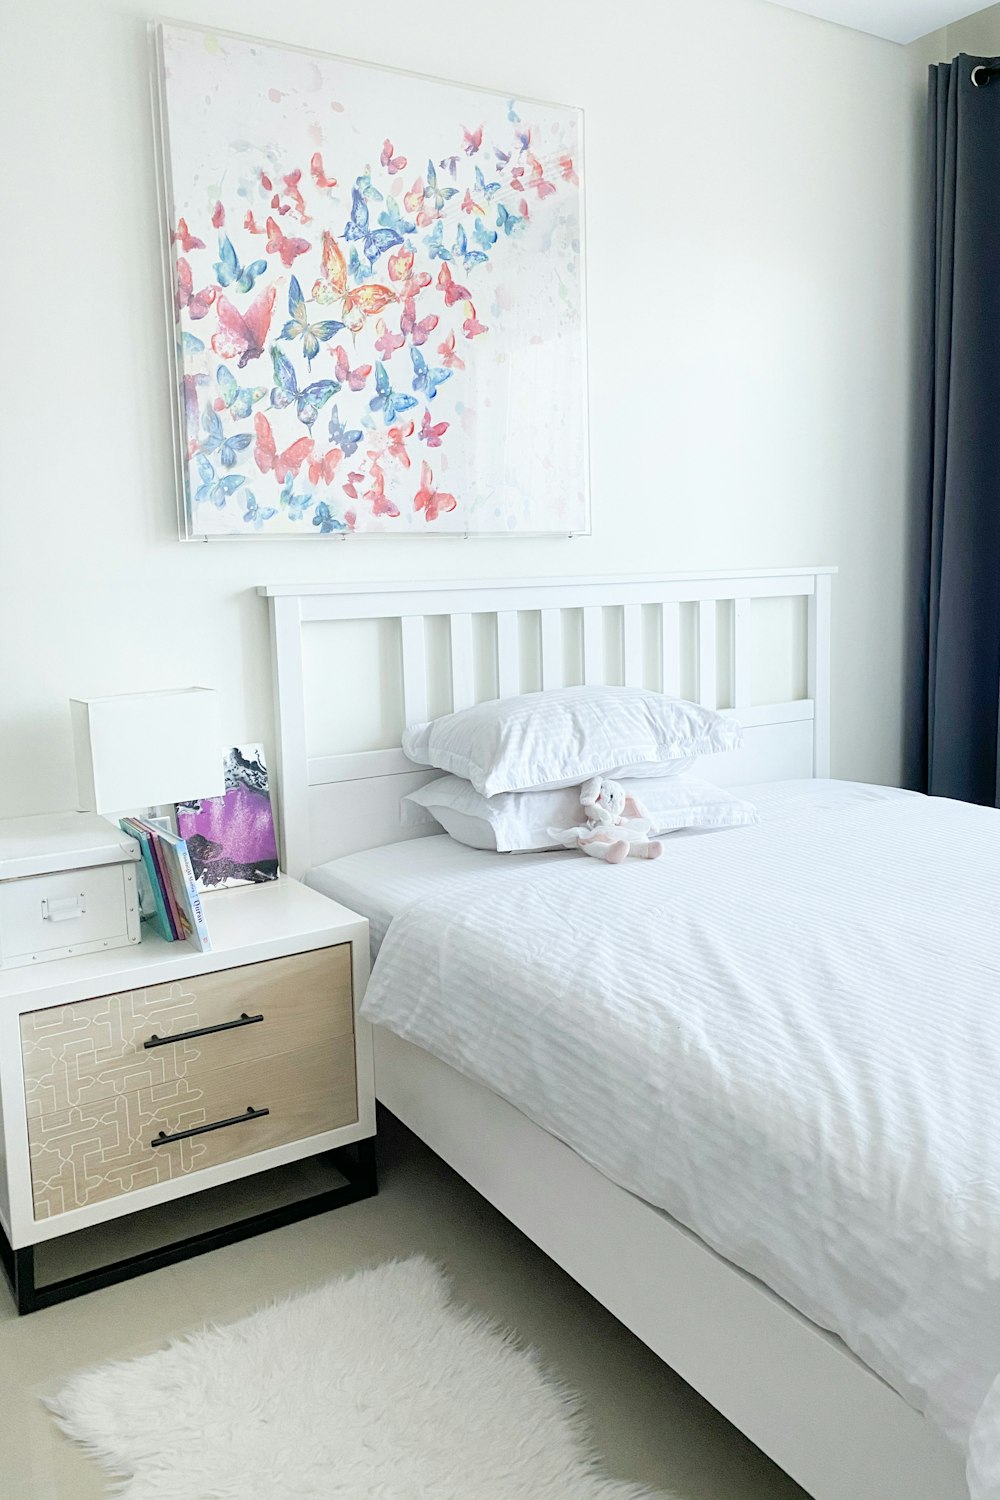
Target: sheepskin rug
(374,1387)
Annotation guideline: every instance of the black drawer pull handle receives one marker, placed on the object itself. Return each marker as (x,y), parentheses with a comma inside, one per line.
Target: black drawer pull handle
(185,1036)
(182,1135)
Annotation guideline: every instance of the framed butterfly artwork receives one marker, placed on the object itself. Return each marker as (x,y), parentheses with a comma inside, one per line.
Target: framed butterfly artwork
(376,287)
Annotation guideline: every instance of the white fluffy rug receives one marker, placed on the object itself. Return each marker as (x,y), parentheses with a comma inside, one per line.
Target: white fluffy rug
(372,1388)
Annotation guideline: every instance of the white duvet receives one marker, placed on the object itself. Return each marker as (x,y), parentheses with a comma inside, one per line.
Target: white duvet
(787,1036)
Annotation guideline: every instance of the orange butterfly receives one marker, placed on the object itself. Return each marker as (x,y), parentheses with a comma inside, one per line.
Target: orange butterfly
(319,176)
(401,270)
(431,501)
(449,358)
(470,206)
(356,303)
(322,468)
(267,457)
(397,441)
(414,199)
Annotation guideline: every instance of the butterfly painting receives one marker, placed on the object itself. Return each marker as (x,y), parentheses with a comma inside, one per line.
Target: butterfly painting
(377,297)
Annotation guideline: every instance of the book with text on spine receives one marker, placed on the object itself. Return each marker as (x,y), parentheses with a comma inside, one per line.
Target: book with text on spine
(185,890)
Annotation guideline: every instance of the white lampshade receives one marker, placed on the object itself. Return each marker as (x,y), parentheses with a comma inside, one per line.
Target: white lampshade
(143,749)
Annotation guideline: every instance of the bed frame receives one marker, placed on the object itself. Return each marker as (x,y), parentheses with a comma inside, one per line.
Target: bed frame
(791,1387)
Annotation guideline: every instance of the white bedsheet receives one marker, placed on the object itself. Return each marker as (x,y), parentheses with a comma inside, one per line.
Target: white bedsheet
(787,1036)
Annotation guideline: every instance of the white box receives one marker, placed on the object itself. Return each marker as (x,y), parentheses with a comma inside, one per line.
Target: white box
(67,886)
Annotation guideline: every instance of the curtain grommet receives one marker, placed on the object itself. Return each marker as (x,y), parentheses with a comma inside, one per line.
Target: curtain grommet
(980,83)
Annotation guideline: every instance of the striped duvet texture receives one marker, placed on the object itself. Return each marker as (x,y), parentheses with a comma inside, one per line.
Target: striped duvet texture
(786,1036)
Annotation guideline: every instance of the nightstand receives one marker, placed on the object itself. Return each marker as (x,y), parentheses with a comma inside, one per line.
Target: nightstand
(135,1076)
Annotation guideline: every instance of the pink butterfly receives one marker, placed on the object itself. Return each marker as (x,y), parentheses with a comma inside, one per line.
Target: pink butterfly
(354,478)
(565,165)
(292,191)
(431,501)
(323,467)
(218,216)
(538,182)
(517,178)
(473,140)
(280,244)
(397,440)
(470,206)
(351,517)
(401,270)
(449,358)
(353,378)
(244,334)
(387,342)
(319,175)
(185,239)
(251,223)
(381,504)
(197,303)
(432,433)
(418,333)
(266,182)
(393,163)
(267,457)
(452,291)
(472,326)
(414,199)
(279,207)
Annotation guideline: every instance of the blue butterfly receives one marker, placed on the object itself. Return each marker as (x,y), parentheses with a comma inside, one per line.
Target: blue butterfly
(376,241)
(299,326)
(469,257)
(346,440)
(484,237)
(286,390)
(239,400)
(217,490)
(366,187)
(355,270)
(296,505)
(438,195)
(449,164)
(191,343)
(424,378)
(229,448)
(391,218)
(388,401)
(507,221)
(486,189)
(229,272)
(255,516)
(436,248)
(512,114)
(326,520)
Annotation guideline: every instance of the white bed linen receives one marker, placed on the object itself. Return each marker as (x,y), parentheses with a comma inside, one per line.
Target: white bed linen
(788,1037)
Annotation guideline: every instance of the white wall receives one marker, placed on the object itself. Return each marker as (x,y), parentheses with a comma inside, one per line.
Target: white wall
(750,168)
(979,35)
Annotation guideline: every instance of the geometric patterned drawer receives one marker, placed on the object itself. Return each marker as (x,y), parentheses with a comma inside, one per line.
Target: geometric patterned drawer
(84,1153)
(83,1055)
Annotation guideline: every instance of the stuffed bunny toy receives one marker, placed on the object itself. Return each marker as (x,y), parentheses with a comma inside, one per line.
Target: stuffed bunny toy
(617,825)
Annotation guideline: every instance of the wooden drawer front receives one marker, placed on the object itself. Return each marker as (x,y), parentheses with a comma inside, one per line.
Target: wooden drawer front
(84,1154)
(77,1056)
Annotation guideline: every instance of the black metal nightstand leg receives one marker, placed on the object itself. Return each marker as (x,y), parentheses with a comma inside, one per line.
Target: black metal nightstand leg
(19,1269)
(359,1165)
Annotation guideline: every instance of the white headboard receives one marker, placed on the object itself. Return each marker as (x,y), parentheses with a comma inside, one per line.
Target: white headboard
(688,633)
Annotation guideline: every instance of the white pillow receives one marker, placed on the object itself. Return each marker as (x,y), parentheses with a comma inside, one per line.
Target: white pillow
(519,821)
(561,737)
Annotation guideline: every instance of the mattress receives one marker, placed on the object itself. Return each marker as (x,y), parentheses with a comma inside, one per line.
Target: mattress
(787,1037)
(380,883)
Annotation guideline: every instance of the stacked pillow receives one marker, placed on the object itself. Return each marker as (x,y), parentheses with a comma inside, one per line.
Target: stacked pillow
(516,764)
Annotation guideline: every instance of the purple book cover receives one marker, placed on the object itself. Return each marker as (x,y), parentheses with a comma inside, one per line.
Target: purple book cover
(231,838)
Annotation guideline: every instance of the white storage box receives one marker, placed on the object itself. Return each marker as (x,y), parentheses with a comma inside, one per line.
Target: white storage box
(67,886)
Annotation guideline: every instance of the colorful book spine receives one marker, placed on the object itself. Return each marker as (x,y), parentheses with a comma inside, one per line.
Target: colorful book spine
(152,901)
(186,893)
(163,873)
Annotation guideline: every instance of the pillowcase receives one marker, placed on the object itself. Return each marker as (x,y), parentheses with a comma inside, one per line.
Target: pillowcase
(519,821)
(543,741)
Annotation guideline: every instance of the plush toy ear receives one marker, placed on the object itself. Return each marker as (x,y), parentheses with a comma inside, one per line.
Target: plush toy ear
(634,808)
(590,791)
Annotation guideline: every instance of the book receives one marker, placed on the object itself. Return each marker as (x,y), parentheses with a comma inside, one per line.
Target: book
(185,891)
(231,838)
(152,900)
(163,875)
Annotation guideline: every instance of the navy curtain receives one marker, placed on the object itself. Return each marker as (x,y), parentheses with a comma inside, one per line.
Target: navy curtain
(954,702)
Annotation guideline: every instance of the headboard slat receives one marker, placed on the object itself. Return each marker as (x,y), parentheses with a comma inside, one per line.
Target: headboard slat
(463,691)
(508,654)
(553,665)
(708,687)
(414,643)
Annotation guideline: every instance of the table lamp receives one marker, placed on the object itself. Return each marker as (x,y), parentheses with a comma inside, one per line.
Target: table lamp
(143,749)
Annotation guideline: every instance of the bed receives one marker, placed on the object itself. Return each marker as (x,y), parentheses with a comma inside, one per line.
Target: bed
(587,1172)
